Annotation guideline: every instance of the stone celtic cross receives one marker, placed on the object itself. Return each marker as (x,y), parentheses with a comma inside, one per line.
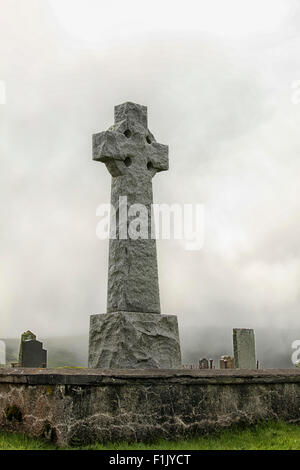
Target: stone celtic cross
(133,157)
(133,333)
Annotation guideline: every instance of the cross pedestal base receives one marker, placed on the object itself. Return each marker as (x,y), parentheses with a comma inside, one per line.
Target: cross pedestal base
(131,340)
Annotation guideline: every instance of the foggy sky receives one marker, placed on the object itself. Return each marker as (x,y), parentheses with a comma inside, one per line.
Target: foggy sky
(219,95)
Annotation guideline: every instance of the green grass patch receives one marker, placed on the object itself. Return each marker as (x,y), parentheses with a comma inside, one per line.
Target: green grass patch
(267,436)
(22,442)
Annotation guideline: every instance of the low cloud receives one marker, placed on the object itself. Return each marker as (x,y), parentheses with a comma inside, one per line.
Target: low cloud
(224,107)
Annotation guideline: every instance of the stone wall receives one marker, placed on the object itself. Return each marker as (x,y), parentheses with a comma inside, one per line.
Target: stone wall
(76,406)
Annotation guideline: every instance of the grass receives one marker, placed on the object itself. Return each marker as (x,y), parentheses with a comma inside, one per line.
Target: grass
(22,442)
(267,436)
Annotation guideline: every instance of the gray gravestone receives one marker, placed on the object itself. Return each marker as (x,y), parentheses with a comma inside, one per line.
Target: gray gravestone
(25,337)
(33,354)
(133,333)
(203,363)
(244,348)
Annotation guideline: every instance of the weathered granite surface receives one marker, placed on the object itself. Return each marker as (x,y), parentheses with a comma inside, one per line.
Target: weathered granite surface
(244,348)
(126,340)
(87,405)
(133,157)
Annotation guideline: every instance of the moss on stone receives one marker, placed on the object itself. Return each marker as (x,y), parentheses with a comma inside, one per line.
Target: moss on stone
(27,335)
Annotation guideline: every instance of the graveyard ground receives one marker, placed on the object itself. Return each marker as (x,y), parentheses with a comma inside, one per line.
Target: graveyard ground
(265,436)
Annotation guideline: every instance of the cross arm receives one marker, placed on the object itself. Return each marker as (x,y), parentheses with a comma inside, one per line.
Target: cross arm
(159,156)
(107,148)
(107,145)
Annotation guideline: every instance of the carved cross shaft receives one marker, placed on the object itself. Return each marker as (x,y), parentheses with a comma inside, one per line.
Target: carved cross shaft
(133,157)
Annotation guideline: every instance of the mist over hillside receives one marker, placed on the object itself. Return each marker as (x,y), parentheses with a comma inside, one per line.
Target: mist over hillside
(273,346)
(62,351)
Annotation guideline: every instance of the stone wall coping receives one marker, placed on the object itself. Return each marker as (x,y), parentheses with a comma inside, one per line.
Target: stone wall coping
(98,377)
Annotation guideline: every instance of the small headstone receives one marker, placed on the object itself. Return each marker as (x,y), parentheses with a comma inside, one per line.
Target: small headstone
(33,354)
(2,353)
(244,348)
(27,335)
(227,362)
(203,363)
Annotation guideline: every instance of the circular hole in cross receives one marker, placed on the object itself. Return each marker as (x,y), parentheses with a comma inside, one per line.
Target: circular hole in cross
(127,161)
(150,166)
(127,133)
(148,139)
